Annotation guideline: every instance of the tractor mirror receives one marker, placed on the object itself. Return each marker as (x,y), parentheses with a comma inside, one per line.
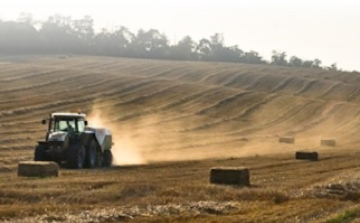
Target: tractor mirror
(43,122)
(86,123)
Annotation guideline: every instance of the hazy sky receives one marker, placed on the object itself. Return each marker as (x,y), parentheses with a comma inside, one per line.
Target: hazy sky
(328,30)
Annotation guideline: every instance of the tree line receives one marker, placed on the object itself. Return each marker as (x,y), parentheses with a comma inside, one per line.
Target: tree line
(64,35)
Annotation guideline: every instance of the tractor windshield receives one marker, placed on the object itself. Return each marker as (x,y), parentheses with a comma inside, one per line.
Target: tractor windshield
(68,125)
(65,125)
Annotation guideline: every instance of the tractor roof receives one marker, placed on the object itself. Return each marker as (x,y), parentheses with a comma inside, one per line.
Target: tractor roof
(68,114)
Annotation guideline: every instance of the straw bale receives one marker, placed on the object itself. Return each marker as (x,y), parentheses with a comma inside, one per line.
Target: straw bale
(230,175)
(301,155)
(328,142)
(290,140)
(38,169)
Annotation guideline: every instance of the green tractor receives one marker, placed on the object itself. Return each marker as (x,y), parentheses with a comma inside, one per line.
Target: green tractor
(69,141)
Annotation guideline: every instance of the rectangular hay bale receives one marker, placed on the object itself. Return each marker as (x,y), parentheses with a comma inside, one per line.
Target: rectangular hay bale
(38,169)
(301,155)
(290,140)
(328,142)
(230,175)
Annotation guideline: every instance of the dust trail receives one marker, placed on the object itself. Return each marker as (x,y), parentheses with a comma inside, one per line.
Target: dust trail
(125,151)
(148,138)
(143,141)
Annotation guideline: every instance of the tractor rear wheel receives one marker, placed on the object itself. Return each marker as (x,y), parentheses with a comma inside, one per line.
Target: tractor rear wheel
(90,158)
(75,156)
(107,158)
(99,159)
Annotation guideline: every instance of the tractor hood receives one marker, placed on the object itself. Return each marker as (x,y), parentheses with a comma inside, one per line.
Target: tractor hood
(57,136)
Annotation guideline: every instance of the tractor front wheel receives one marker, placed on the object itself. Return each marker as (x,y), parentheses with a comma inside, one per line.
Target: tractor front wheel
(76,156)
(39,153)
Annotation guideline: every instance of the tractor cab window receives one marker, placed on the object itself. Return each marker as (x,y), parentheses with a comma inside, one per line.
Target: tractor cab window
(81,125)
(65,125)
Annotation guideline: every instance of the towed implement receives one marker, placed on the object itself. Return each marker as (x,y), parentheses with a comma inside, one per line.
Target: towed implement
(69,141)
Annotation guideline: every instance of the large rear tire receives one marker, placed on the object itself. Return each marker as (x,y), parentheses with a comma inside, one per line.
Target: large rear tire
(91,155)
(39,153)
(75,156)
(107,158)
(99,159)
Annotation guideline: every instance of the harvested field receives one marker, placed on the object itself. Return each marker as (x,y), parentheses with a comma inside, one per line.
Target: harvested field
(173,121)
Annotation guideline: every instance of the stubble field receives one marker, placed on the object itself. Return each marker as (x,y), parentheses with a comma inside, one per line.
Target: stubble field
(173,121)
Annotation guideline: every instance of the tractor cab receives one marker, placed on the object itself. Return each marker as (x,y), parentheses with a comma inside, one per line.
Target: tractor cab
(66,122)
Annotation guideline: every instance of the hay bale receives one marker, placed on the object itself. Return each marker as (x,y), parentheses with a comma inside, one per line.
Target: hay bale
(290,140)
(328,142)
(301,155)
(38,169)
(230,175)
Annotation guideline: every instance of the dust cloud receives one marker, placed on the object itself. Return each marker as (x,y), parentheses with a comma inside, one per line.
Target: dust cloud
(143,140)
(146,139)
(125,150)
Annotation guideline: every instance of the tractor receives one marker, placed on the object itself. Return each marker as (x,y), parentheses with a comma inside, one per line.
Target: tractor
(69,141)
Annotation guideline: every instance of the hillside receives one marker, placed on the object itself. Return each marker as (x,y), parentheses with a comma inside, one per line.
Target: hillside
(179,111)
(166,108)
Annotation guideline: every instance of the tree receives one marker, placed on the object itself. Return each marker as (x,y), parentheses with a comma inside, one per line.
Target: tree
(151,43)
(278,58)
(253,57)
(84,31)
(317,63)
(219,52)
(308,63)
(333,67)
(295,62)
(116,43)
(18,37)
(58,36)
(184,50)
(123,38)
(204,49)
(104,45)
(216,46)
